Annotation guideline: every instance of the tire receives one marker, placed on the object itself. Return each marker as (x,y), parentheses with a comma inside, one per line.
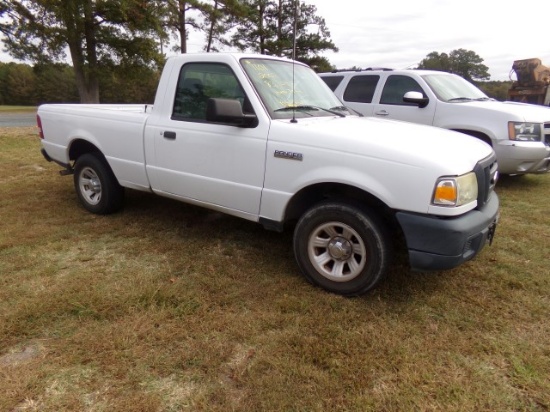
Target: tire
(342,248)
(96,185)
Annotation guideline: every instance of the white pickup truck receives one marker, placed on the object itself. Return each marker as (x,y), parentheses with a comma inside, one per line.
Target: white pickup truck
(518,132)
(264,139)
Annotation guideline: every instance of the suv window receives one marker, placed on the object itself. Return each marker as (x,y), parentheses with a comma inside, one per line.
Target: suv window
(361,88)
(395,88)
(333,81)
(199,82)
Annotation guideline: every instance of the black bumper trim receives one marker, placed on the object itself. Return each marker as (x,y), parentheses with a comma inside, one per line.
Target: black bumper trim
(443,243)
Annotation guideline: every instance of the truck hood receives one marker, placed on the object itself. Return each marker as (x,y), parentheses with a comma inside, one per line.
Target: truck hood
(515,111)
(444,152)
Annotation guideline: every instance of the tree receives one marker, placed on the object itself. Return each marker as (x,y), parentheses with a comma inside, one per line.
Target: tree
(94,32)
(18,84)
(496,89)
(178,17)
(55,83)
(268,28)
(462,62)
(221,17)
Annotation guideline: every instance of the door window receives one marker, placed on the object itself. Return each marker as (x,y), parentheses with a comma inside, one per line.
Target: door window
(332,81)
(361,89)
(395,88)
(199,82)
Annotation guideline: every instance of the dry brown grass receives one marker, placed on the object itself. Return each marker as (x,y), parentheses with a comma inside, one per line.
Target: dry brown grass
(167,307)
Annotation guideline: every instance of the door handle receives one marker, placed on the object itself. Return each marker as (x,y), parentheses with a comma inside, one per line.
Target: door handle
(169,135)
(381,113)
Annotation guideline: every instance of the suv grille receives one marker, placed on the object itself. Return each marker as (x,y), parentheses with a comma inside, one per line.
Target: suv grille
(487,176)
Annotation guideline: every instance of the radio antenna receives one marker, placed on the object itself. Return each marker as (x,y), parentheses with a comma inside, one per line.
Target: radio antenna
(293,61)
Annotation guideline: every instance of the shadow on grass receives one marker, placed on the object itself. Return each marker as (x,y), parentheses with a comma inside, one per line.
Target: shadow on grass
(200,225)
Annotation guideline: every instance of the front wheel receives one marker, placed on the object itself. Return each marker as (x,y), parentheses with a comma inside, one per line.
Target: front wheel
(96,185)
(342,248)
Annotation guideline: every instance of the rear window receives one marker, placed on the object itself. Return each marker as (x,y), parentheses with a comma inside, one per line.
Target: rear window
(332,81)
(361,88)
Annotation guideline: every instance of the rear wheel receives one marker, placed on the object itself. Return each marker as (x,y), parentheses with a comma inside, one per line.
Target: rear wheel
(342,248)
(96,185)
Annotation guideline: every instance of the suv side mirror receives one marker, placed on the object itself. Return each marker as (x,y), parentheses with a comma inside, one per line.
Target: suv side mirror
(416,98)
(229,111)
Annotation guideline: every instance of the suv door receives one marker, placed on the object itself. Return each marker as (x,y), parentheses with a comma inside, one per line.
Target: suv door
(392,106)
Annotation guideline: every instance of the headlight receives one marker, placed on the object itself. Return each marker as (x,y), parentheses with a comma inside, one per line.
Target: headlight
(524,132)
(455,191)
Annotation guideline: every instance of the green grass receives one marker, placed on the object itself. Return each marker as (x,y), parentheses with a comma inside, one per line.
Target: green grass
(168,307)
(16,109)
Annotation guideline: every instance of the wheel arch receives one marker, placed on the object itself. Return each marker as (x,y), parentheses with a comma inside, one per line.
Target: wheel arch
(316,193)
(79,147)
(478,135)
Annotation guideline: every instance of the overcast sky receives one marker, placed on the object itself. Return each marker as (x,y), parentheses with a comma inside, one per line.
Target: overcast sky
(400,33)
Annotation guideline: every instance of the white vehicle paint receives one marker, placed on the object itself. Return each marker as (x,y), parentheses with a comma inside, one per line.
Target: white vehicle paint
(448,101)
(264,139)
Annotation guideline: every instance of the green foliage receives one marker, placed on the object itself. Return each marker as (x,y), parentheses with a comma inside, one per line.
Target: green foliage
(95,33)
(268,28)
(495,89)
(128,84)
(21,84)
(319,64)
(464,63)
(176,18)
(219,18)
(17,83)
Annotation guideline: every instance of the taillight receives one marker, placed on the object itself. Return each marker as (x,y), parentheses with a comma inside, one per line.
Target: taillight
(39,124)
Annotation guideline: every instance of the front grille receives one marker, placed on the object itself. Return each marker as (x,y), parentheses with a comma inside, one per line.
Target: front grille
(487,175)
(547,134)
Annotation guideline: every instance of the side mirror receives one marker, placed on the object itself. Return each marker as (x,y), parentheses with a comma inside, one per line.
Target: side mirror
(416,98)
(229,111)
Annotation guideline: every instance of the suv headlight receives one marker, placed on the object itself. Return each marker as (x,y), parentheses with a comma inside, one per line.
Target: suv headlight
(455,191)
(525,132)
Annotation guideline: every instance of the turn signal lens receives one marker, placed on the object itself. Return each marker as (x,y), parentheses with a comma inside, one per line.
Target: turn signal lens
(455,191)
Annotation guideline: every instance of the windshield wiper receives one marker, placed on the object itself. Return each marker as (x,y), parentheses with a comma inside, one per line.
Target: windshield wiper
(460,99)
(305,108)
(347,109)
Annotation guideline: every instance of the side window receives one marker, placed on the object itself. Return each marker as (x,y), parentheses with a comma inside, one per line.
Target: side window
(361,88)
(199,82)
(332,81)
(395,88)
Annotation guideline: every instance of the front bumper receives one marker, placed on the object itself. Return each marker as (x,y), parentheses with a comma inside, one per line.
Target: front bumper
(522,157)
(436,243)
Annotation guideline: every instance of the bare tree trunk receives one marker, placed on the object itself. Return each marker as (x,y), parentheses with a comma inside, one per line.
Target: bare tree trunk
(85,74)
(181,26)
(212,24)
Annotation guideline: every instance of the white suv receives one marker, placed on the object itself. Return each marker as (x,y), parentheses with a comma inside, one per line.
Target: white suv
(519,133)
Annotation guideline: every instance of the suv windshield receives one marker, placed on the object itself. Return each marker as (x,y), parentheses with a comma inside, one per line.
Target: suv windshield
(452,88)
(274,79)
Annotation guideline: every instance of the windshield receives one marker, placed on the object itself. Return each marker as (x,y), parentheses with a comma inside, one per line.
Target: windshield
(452,88)
(310,96)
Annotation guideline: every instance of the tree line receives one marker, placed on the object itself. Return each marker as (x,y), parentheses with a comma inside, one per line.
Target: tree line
(25,85)
(117,47)
(133,33)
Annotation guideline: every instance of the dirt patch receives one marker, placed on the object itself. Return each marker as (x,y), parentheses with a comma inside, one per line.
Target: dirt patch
(21,355)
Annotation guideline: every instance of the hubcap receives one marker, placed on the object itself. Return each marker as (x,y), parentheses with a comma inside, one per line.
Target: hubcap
(337,251)
(340,248)
(90,186)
